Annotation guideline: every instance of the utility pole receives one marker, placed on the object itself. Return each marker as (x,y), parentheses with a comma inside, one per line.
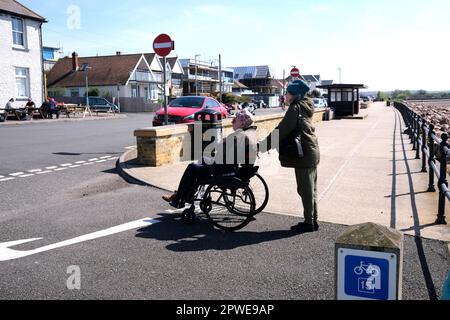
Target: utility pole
(196,72)
(340,75)
(220,77)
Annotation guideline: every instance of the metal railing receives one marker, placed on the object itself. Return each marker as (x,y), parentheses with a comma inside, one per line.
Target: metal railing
(430,149)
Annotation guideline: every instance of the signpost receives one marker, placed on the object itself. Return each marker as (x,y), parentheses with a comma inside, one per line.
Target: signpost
(163,46)
(369,260)
(295,73)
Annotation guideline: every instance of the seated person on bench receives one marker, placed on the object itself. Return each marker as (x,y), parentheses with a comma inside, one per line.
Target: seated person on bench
(242,146)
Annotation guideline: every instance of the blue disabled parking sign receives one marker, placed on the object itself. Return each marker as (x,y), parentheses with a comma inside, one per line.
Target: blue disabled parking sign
(366,275)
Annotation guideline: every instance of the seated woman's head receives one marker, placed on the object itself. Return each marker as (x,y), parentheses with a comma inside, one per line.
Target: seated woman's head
(243,120)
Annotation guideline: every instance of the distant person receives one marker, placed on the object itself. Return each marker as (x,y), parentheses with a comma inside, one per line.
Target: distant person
(30,107)
(9,104)
(297,123)
(52,108)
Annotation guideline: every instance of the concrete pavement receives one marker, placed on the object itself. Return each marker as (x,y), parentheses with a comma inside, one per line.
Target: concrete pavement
(368,173)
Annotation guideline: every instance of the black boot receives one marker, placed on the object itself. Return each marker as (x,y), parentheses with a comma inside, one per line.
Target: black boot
(303,228)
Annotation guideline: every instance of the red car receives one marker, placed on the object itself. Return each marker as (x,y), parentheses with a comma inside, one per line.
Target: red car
(183,109)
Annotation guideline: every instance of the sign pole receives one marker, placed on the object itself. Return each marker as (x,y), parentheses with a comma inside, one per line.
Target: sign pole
(166,114)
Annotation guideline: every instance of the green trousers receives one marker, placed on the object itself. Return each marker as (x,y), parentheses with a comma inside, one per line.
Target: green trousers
(307,189)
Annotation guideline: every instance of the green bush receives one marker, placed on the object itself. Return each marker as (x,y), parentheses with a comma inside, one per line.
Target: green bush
(94,92)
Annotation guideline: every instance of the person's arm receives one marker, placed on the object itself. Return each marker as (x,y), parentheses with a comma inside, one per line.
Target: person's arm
(285,128)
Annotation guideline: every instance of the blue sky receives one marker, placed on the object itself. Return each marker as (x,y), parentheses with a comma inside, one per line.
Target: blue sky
(384,44)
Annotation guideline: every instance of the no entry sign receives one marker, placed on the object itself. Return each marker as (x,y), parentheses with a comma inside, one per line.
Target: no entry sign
(295,73)
(163,45)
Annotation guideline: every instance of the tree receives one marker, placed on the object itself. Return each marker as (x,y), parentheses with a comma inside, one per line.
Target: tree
(315,94)
(382,96)
(94,92)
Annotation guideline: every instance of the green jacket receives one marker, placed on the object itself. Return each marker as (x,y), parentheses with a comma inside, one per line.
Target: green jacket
(307,131)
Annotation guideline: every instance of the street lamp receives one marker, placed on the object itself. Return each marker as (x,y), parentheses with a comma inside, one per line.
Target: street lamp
(85,68)
(196,71)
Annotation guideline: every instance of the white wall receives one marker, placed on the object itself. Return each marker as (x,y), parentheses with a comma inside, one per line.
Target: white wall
(10,58)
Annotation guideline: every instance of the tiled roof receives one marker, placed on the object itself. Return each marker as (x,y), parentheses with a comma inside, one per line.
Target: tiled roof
(107,70)
(14,7)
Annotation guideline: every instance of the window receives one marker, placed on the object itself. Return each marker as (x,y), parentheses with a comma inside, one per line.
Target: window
(212,104)
(74,92)
(18,32)
(188,102)
(22,83)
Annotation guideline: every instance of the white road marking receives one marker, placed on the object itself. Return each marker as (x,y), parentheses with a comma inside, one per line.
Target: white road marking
(2,177)
(100,161)
(106,157)
(17,174)
(51,168)
(88,164)
(7,254)
(131,147)
(95,159)
(75,166)
(80,162)
(44,172)
(66,165)
(27,175)
(35,170)
(6,179)
(60,169)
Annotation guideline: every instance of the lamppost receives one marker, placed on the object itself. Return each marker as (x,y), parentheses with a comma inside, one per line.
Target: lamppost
(85,68)
(196,71)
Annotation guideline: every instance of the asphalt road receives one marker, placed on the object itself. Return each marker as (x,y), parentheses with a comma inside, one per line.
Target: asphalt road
(166,260)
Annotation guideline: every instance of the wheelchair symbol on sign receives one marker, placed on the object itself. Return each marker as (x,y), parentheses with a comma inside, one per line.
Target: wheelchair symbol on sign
(373,280)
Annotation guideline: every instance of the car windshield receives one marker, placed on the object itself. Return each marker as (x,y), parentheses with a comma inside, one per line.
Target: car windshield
(188,102)
(316,101)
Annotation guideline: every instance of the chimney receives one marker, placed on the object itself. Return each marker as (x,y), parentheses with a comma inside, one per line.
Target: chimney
(118,53)
(75,65)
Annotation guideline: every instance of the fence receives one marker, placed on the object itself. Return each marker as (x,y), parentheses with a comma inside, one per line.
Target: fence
(430,149)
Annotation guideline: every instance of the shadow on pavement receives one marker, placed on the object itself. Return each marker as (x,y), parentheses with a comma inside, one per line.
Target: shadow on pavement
(202,236)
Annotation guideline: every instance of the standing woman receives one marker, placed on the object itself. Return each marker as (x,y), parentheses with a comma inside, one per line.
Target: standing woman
(298,125)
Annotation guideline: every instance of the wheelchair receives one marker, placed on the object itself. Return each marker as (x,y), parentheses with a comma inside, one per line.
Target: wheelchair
(230,198)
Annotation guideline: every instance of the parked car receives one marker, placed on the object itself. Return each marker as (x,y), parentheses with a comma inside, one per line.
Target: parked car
(102,105)
(183,109)
(320,103)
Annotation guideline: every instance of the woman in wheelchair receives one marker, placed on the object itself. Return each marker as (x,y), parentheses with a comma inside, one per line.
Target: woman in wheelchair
(239,148)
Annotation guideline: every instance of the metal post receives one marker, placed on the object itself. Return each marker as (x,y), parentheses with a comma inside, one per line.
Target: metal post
(87,89)
(413,116)
(196,77)
(431,159)
(424,145)
(443,179)
(417,135)
(166,114)
(220,77)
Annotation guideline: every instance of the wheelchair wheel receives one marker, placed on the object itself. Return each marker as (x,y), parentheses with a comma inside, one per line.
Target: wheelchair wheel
(188,216)
(260,192)
(229,205)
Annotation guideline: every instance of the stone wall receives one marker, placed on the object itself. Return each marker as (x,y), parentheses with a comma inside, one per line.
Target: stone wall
(173,144)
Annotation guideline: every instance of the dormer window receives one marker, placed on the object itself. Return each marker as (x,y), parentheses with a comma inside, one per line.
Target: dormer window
(18,29)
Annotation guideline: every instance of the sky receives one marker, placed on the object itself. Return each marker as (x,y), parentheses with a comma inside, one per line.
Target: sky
(385,44)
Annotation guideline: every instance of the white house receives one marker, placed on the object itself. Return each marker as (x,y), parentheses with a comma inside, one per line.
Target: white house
(117,76)
(21,65)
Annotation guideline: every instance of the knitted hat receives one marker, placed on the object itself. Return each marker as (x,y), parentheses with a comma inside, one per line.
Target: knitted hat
(298,88)
(245,118)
